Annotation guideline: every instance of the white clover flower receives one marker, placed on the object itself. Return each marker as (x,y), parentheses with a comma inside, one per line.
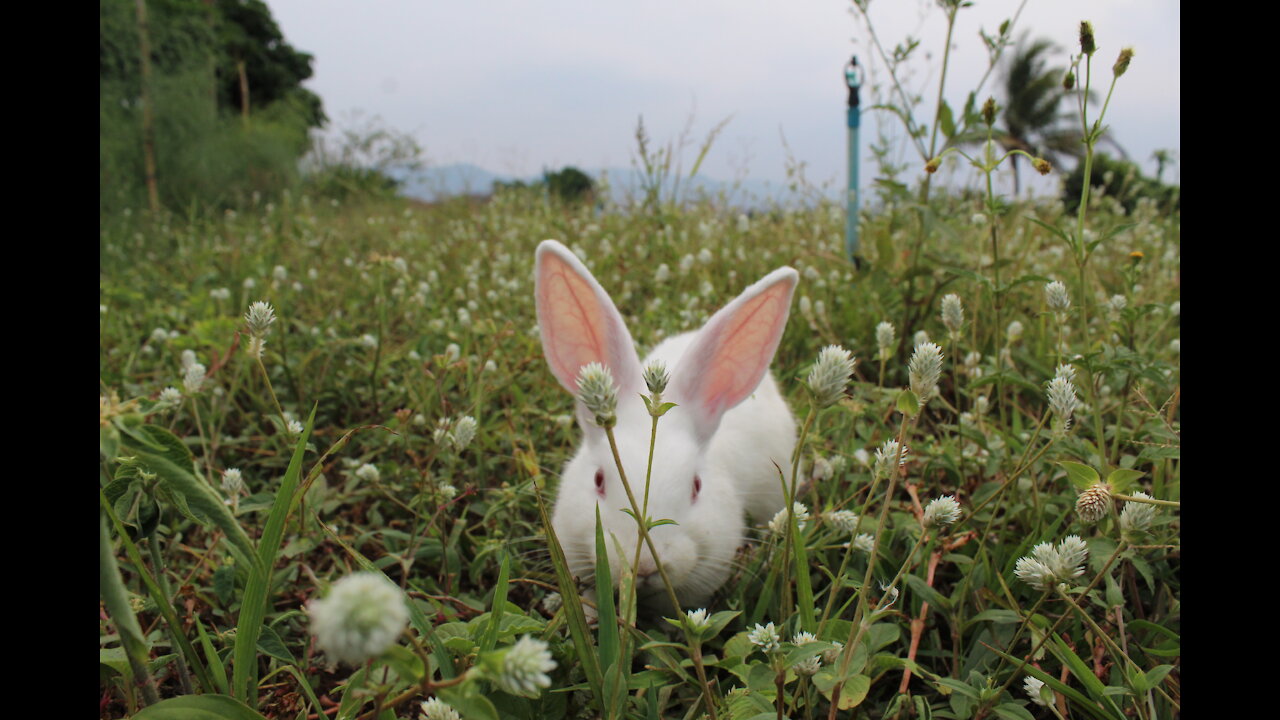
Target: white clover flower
(1175,308)
(744,223)
(452,352)
(259,318)
(921,337)
(942,511)
(598,393)
(170,396)
(843,520)
(464,431)
(1032,687)
(232,482)
(280,273)
(193,379)
(249,283)
(885,457)
(832,654)
(766,637)
(1062,401)
(360,618)
(778,525)
(294,427)
(885,340)
(1136,517)
(1072,554)
(159,335)
(924,370)
(551,603)
(447,491)
(437,709)
(368,472)
(663,274)
(1014,332)
(704,256)
(863,543)
(1034,573)
(1057,298)
(978,219)
(1175,346)
(952,314)
(656,377)
(863,457)
(220,293)
(369,341)
(524,668)
(697,620)
(686,264)
(803,638)
(809,666)
(490,366)
(821,468)
(830,374)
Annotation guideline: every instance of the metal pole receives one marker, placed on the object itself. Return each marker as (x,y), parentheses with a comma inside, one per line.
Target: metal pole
(853,78)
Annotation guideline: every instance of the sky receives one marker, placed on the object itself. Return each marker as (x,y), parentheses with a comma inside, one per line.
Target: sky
(516,86)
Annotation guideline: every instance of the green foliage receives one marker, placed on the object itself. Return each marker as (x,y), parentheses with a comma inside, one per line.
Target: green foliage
(569,184)
(206,153)
(1121,181)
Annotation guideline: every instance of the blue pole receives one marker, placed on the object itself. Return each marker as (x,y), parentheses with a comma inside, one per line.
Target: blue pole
(853,78)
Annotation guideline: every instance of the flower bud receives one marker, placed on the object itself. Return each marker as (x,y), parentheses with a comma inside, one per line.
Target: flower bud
(1122,62)
(1087,45)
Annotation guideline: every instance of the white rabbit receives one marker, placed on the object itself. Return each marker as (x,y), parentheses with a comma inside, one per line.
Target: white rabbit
(721,452)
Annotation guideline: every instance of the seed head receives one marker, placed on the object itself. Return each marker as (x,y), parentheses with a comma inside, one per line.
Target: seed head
(360,618)
(1057,297)
(942,511)
(170,396)
(1087,45)
(843,520)
(1136,517)
(932,166)
(368,472)
(924,369)
(1042,166)
(259,319)
(1034,573)
(1069,81)
(656,376)
(885,339)
(1122,62)
(885,457)
(830,374)
(598,393)
(464,431)
(989,111)
(524,666)
(1094,504)
(193,379)
(232,482)
(952,313)
(1062,401)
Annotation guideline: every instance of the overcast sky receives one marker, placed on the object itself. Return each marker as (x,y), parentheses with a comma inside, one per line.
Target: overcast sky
(516,86)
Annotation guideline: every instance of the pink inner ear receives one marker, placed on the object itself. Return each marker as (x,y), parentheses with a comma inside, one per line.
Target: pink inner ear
(743,347)
(571,319)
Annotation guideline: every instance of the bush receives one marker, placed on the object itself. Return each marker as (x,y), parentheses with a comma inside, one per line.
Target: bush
(1121,180)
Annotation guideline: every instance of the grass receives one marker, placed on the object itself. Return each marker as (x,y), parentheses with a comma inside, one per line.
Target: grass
(395,321)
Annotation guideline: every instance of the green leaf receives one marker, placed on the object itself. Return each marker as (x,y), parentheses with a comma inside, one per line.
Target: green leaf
(253,606)
(271,644)
(908,404)
(490,639)
(608,628)
(933,597)
(199,707)
(946,121)
(1121,480)
(1012,711)
(1082,477)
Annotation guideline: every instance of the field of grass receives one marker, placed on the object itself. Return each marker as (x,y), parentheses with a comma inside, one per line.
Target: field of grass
(401,421)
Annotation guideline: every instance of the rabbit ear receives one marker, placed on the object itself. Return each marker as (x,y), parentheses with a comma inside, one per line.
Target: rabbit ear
(579,322)
(731,354)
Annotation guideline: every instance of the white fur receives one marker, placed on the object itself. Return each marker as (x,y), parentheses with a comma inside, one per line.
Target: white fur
(739,466)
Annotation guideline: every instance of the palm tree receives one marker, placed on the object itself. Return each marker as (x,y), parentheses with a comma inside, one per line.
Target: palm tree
(1032,120)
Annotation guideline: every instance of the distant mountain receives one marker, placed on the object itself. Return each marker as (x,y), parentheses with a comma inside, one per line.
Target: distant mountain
(625,186)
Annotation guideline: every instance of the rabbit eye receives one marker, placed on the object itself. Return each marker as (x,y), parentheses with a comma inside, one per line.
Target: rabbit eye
(600,482)
(697,486)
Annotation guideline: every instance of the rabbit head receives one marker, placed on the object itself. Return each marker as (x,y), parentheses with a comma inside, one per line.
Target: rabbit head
(715,455)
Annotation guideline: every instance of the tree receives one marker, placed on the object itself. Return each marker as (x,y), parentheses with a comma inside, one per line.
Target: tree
(1032,120)
(254,56)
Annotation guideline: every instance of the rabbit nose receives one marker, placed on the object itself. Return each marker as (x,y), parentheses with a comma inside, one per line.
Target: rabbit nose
(646,569)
